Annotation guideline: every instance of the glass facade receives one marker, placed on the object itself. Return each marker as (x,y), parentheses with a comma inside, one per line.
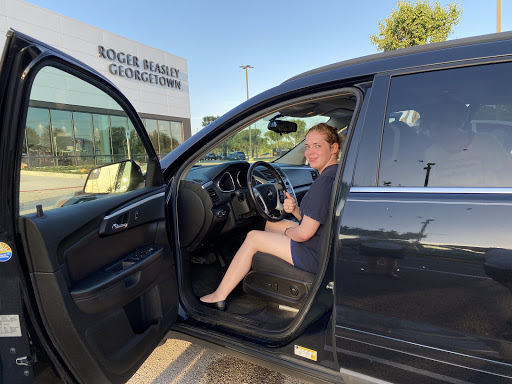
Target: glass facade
(118,128)
(177,133)
(165,135)
(84,139)
(62,137)
(101,131)
(38,138)
(152,130)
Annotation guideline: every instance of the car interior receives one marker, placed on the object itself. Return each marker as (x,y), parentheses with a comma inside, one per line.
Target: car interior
(216,210)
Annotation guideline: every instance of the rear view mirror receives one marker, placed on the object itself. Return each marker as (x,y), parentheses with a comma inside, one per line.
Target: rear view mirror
(123,176)
(282,126)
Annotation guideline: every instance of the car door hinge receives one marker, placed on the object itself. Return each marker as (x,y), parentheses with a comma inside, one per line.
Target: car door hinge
(26,360)
(330,285)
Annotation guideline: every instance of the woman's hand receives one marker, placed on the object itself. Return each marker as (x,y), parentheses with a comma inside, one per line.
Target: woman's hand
(289,204)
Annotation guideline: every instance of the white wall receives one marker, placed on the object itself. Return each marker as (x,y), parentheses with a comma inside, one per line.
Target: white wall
(81,41)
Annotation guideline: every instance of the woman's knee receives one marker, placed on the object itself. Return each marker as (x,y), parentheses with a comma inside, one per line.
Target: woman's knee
(252,236)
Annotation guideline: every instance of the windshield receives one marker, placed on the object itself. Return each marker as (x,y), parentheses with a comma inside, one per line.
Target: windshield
(257,143)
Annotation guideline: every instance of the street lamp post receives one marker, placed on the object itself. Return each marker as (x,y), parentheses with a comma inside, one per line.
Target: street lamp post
(247,87)
(498,15)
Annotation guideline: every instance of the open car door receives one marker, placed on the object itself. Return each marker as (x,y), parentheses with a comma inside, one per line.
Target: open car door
(91,277)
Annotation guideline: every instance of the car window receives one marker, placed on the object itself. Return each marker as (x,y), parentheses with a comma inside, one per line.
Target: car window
(72,127)
(443,131)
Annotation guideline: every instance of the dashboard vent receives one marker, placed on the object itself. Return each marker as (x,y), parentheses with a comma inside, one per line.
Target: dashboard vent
(314,175)
(213,195)
(268,174)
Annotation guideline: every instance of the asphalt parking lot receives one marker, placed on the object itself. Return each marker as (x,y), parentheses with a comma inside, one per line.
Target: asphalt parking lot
(47,189)
(180,362)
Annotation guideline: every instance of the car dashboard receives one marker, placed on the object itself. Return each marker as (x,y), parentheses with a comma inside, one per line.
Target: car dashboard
(213,199)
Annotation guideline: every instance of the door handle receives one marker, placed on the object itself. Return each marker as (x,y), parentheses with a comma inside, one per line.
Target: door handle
(116,226)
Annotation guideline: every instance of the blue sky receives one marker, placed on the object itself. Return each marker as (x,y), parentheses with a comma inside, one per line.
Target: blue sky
(279,38)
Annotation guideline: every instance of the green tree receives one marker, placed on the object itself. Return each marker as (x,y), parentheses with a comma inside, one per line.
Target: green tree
(119,146)
(301,132)
(241,140)
(416,23)
(136,146)
(208,119)
(153,137)
(273,138)
(34,140)
(165,143)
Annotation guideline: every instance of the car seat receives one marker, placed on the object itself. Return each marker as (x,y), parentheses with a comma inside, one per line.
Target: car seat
(277,281)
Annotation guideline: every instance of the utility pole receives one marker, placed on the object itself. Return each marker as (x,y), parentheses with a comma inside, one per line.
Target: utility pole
(498,15)
(247,87)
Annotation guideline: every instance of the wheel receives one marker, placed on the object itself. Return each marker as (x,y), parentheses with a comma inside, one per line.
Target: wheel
(267,197)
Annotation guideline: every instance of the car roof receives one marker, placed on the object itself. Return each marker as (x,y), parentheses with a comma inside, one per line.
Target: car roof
(428,52)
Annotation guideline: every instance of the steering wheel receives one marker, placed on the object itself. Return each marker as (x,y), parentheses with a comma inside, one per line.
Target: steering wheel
(266,196)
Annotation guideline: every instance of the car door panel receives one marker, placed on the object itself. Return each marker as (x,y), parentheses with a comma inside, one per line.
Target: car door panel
(122,281)
(76,220)
(104,252)
(105,346)
(133,214)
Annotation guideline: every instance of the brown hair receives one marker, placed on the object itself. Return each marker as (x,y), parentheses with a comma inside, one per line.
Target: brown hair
(330,133)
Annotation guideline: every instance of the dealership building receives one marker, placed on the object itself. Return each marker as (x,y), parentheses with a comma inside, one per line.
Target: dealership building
(155,82)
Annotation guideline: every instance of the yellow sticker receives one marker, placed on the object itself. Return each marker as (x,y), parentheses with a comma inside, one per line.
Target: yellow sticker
(304,352)
(5,252)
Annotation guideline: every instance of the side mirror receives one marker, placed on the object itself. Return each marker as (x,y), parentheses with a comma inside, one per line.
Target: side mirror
(122,176)
(282,126)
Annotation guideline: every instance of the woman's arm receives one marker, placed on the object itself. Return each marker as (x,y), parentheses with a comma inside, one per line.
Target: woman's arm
(304,231)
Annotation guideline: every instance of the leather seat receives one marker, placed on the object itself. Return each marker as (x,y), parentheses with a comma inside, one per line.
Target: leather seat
(277,281)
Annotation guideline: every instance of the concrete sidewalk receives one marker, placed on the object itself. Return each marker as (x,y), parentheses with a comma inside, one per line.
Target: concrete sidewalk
(54,174)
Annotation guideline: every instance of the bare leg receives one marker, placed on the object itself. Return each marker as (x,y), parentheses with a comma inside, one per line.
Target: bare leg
(256,241)
(279,226)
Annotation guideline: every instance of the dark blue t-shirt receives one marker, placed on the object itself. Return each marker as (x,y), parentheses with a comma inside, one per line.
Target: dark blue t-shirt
(314,204)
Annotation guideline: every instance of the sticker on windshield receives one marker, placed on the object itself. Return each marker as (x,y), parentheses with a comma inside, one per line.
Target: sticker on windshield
(5,252)
(305,352)
(10,326)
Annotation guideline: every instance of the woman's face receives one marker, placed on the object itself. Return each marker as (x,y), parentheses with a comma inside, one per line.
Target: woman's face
(319,152)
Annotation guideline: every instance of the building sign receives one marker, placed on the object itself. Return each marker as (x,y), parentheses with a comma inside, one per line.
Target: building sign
(132,67)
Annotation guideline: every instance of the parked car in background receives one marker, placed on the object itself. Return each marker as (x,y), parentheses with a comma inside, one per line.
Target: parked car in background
(279,151)
(237,155)
(415,276)
(212,156)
